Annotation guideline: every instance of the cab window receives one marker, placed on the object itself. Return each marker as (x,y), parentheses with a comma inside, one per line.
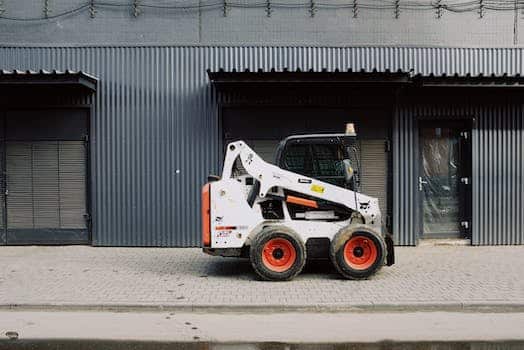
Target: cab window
(297,159)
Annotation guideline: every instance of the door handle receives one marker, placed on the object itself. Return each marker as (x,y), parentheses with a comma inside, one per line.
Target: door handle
(421,183)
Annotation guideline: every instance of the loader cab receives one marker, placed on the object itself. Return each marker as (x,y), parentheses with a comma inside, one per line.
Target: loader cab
(326,157)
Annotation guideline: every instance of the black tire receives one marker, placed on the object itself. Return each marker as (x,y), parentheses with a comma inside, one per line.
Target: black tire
(277,234)
(372,242)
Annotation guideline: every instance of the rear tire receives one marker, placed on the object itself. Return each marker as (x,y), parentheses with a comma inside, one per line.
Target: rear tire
(277,254)
(357,252)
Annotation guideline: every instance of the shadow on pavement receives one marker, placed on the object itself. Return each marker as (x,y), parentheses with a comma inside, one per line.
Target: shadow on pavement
(241,269)
(230,267)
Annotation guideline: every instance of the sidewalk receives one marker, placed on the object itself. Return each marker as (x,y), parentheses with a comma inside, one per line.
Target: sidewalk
(452,278)
(295,328)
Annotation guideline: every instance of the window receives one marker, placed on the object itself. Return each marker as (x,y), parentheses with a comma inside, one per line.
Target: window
(297,159)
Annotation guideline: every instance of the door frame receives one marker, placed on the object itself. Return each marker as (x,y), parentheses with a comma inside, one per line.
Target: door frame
(465,196)
(63,237)
(3,177)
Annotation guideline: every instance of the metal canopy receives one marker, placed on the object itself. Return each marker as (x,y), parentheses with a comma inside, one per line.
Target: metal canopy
(47,78)
(470,81)
(222,78)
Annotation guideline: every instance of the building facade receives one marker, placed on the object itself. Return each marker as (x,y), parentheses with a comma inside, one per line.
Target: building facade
(116,156)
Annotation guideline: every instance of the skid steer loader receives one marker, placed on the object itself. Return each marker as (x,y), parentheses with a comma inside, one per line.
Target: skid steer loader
(305,206)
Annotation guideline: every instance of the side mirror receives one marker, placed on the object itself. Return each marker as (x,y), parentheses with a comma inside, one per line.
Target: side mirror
(348,170)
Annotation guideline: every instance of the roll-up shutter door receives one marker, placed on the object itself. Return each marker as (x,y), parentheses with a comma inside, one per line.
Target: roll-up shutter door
(72,177)
(374,171)
(46,184)
(45,177)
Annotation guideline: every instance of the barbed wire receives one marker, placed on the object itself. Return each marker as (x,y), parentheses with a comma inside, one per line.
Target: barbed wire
(452,6)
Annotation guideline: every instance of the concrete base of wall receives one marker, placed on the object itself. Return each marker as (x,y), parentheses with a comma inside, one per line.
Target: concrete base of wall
(444,242)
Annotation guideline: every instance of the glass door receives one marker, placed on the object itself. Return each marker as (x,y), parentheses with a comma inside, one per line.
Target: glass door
(444,179)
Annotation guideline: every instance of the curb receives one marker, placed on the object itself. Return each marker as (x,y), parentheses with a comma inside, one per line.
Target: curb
(468,307)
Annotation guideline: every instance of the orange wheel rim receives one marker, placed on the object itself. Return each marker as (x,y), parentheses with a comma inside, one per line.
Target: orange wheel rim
(279,254)
(360,253)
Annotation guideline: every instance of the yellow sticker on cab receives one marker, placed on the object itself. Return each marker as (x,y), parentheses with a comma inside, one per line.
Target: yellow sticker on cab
(317,188)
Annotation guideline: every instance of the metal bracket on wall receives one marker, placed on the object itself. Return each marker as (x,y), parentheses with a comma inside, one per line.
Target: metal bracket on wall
(397,9)
(224,8)
(481,9)
(136,10)
(355,8)
(312,8)
(88,219)
(92,10)
(439,9)
(387,146)
(46,8)
(268,8)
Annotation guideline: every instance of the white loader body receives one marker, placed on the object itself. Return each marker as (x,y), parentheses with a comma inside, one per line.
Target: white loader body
(234,221)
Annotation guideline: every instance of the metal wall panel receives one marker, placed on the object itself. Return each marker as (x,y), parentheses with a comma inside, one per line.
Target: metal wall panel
(404,178)
(498,202)
(154,125)
(497,170)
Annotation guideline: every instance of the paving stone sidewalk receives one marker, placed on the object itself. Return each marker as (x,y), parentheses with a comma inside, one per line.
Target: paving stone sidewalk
(95,277)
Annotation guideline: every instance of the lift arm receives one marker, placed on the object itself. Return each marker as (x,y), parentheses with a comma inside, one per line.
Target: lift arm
(270,176)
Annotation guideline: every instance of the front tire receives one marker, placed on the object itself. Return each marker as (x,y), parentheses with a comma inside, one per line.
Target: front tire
(277,254)
(358,252)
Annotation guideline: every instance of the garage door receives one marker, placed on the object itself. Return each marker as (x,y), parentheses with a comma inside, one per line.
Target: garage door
(374,170)
(263,128)
(44,180)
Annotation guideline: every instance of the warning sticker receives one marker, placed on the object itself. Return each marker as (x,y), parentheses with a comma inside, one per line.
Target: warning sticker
(317,188)
(223,234)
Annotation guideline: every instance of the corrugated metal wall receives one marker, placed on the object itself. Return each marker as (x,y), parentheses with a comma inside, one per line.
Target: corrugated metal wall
(404,204)
(154,137)
(154,129)
(497,170)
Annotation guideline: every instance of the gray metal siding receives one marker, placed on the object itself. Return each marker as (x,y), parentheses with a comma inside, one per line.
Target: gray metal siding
(246,22)
(155,128)
(497,170)
(404,178)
